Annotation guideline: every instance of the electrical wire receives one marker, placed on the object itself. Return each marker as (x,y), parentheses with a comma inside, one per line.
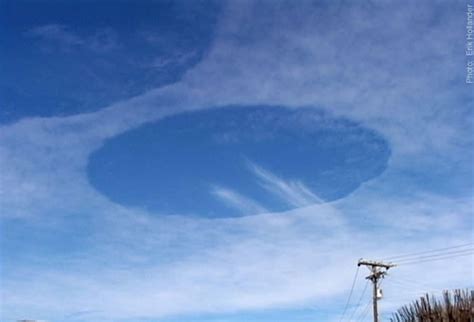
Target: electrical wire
(437,255)
(408,286)
(410,282)
(407,289)
(364,312)
(350,294)
(401,257)
(359,301)
(436,259)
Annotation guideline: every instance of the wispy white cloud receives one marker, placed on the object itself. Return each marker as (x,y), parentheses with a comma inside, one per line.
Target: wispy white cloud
(65,39)
(238,201)
(55,32)
(178,59)
(294,193)
(299,262)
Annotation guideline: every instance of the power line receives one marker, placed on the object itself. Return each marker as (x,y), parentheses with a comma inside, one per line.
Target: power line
(408,285)
(350,293)
(359,301)
(410,281)
(364,312)
(436,255)
(400,257)
(436,259)
(411,288)
(464,251)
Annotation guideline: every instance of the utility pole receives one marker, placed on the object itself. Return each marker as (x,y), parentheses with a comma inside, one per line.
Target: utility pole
(378,270)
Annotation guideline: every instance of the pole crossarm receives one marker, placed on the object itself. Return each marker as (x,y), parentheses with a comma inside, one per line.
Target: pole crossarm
(375,264)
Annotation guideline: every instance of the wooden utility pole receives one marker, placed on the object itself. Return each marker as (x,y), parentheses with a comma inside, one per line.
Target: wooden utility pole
(378,271)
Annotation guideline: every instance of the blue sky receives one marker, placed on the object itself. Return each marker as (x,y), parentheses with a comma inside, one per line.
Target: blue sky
(229,161)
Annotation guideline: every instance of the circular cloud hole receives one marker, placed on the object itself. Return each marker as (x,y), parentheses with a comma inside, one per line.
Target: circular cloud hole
(237,161)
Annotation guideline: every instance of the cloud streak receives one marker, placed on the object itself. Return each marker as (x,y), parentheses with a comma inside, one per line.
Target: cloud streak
(238,201)
(294,193)
(101,41)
